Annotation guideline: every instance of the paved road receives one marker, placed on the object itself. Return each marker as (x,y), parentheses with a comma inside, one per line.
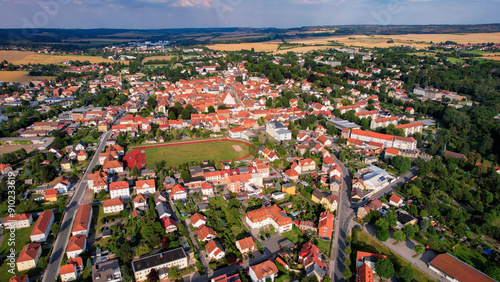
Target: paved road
(342,226)
(61,242)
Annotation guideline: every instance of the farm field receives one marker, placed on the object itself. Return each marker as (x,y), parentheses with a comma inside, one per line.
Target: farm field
(181,153)
(28,57)
(20,76)
(11,148)
(362,41)
(258,46)
(153,58)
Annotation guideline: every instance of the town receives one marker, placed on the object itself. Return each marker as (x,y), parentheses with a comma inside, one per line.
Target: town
(338,164)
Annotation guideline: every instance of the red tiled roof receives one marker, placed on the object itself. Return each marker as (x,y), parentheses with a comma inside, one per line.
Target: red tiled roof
(28,252)
(82,218)
(458,269)
(112,202)
(76,243)
(67,268)
(264,269)
(409,125)
(118,185)
(42,223)
(197,217)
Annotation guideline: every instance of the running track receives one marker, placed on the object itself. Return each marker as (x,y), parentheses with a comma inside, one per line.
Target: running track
(195,142)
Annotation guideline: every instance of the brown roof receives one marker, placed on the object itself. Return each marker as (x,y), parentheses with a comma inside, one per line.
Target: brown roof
(42,223)
(197,217)
(458,269)
(118,185)
(28,252)
(264,269)
(19,278)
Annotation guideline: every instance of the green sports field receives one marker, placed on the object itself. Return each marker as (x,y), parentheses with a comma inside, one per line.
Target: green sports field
(215,151)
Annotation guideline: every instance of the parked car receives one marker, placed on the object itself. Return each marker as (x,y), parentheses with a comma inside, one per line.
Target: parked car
(268,236)
(262,238)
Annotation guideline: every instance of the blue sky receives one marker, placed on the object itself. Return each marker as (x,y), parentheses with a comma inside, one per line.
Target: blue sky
(145,14)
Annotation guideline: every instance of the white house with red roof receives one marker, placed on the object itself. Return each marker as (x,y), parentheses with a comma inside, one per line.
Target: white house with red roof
(76,245)
(68,272)
(264,271)
(140,202)
(395,200)
(178,193)
(29,256)
(113,205)
(236,132)
(83,217)
(146,187)
(42,226)
(18,221)
(215,250)
(62,185)
(206,233)
(5,168)
(119,189)
(246,245)
(197,220)
(207,189)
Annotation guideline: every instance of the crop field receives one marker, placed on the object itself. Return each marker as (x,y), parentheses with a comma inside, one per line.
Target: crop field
(153,58)
(20,76)
(258,46)
(178,153)
(28,57)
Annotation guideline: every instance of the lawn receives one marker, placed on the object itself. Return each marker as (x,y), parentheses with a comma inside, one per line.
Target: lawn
(217,202)
(367,243)
(293,235)
(22,238)
(213,151)
(455,60)
(324,247)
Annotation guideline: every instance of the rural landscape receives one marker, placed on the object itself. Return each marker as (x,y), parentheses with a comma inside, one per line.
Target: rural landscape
(238,141)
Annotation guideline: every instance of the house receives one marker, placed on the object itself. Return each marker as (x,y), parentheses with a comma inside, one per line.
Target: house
(291,174)
(42,226)
(19,278)
(62,185)
(18,221)
(112,205)
(454,269)
(160,262)
(278,131)
(197,220)
(81,146)
(288,188)
(206,233)
(236,132)
(168,224)
(29,256)
(404,219)
(146,187)
(68,272)
(395,200)
(83,217)
(311,258)
(391,152)
(112,166)
(263,271)
(5,168)
(119,189)
(335,183)
(411,128)
(325,225)
(178,193)
(307,165)
(140,202)
(106,271)
(215,250)
(246,245)
(207,189)
(98,181)
(82,156)
(317,196)
(364,273)
(162,210)
(78,262)
(330,202)
(272,215)
(50,195)
(305,225)
(76,245)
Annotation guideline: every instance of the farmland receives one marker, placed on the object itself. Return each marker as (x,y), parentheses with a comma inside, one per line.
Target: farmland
(179,153)
(257,46)
(28,57)
(20,76)
(154,58)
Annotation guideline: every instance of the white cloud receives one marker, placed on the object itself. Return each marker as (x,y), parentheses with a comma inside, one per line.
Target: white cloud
(194,3)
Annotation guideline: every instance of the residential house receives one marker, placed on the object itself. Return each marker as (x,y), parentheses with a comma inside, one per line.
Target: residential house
(454,269)
(62,185)
(66,164)
(5,168)
(112,205)
(325,225)
(18,221)
(236,132)
(163,210)
(288,188)
(317,196)
(246,245)
(291,174)
(272,215)
(140,202)
(161,262)
(42,226)
(19,278)
(98,181)
(76,245)
(178,193)
(82,156)
(395,200)
(215,250)
(83,217)
(207,189)
(263,271)
(206,233)
(68,272)
(197,220)
(307,165)
(330,202)
(168,224)
(50,195)
(29,256)
(119,189)
(145,187)
(106,271)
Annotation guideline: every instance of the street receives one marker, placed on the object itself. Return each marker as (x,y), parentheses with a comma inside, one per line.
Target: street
(61,242)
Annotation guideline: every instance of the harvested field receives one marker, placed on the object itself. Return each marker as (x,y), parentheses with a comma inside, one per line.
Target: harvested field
(462,38)
(20,76)
(258,46)
(11,148)
(303,49)
(362,41)
(28,57)
(153,58)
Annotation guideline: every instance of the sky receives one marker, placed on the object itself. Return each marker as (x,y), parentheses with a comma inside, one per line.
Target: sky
(157,14)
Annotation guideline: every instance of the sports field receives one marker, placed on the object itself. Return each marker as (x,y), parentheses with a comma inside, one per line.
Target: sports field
(179,153)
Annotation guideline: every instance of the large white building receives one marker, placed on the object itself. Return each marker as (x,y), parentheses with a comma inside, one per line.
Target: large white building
(278,131)
(119,189)
(42,226)
(385,139)
(272,215)
(411,128)
(161,262)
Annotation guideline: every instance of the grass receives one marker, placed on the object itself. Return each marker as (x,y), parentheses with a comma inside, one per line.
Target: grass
(469,256)
(176,155)
(22,238)
(293,235)
(496,222)
(324,247)
(217,202)
(367,243)
(455,60)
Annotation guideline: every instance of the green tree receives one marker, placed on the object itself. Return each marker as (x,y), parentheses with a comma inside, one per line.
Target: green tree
(423,224)
(384,268)
(348,250)
(383,235)
(409,231)
(55,228)
(347,273)
(135,172)
(174,272)
(419,249)
(171,115)
(399,236)
(211,109)
(142,249)
(405,274)
(347,262)
(43,262)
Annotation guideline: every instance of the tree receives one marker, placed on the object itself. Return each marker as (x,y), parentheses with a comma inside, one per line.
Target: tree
(211,109)
(347,262)
(135,172)
(409,231)
(174,272)
(88,264)
(347,273)
(153,276)
(384,268)
(405,273)
(423,224)
(347,250)
(43,262)
(383,235)
(55,228)
(399,236)
(365,123)
(142,249)
(171,115)
(419,249)
(348,238)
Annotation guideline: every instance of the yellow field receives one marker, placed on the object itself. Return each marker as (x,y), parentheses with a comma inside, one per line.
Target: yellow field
(258,46)
(303,49)
(362,41)
(459,38)
(28,57)
(20,76)
(157,58)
